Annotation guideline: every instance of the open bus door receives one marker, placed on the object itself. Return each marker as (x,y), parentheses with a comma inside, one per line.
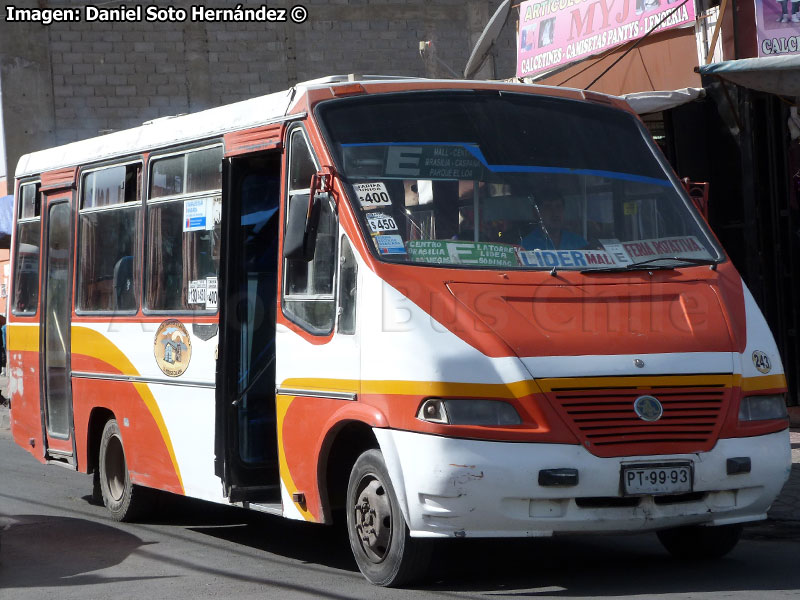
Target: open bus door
(56,301)
(246,444)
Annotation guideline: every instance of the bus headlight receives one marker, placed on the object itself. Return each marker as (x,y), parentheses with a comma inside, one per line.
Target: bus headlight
(762,408)
(468,412)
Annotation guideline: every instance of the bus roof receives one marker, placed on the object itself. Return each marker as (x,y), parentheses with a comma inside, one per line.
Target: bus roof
(171,130)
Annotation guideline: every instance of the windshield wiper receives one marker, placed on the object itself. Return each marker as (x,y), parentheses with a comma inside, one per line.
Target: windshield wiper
(648,264)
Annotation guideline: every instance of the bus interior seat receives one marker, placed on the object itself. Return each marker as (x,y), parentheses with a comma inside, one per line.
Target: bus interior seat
(124,293)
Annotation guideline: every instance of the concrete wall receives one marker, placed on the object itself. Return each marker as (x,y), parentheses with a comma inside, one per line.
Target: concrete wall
(69,81)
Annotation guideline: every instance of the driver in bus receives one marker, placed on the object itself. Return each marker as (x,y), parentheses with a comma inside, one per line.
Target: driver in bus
(549,232)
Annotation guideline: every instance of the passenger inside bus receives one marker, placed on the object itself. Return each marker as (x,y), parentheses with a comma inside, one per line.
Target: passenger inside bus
(549,233)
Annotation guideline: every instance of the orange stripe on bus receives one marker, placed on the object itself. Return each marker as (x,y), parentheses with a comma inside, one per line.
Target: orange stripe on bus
(93,343)
(282,404)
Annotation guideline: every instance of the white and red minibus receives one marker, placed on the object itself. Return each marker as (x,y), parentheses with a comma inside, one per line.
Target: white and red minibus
(452,309)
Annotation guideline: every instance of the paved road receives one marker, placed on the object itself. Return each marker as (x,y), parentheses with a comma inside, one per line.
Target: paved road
(57,544)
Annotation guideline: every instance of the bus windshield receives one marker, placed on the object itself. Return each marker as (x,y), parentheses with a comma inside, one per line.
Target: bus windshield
(510,180)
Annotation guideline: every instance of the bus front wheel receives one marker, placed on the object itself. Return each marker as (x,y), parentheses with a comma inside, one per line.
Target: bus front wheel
(385,552)
(700,543)
(124,500)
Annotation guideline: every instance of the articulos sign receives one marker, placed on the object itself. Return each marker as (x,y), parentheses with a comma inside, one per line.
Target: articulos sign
(556,32)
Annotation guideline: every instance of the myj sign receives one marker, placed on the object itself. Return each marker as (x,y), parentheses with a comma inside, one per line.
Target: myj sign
(556,32)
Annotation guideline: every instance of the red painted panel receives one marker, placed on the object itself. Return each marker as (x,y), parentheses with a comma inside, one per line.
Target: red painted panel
(59,179)
(535,314)
(618,318)
(26,420)
(146,453)
(253,140)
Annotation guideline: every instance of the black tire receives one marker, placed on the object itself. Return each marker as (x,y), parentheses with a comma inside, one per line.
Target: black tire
(385,552)
(700,543)
(124,500)
(97,491)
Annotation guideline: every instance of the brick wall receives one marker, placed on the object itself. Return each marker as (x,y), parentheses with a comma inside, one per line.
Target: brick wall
(69,81)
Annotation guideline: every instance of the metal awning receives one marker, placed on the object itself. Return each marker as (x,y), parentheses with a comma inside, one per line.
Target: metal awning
(650,102)
(772,74)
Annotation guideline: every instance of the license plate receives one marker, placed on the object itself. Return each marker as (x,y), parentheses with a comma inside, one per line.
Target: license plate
(645,480)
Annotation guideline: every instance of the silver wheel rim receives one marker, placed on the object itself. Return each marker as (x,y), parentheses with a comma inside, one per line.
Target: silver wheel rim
(115,468)
(373,518)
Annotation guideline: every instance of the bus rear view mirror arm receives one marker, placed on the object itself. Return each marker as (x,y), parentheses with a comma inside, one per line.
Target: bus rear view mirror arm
(300,239)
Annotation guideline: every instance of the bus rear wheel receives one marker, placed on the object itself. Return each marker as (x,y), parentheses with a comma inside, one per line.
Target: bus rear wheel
(700,543)
(124,500)
(385,552)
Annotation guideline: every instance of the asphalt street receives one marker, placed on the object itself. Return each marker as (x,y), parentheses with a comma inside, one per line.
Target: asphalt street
(57,544)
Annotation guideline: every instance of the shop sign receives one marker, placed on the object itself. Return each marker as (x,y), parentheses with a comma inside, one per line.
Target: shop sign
(778,34)
(556,32)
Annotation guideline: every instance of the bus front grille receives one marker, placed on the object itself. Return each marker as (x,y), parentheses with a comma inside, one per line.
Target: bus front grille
(607,425)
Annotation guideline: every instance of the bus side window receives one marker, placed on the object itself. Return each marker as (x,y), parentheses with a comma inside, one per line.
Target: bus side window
(308,292)
(26,265)
(183,230)
(109,235)
(348,281)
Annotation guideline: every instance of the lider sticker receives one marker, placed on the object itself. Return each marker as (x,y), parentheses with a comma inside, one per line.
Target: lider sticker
(172,347)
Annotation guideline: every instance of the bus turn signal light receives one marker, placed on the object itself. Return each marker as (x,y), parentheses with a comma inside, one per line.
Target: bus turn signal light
(347,89)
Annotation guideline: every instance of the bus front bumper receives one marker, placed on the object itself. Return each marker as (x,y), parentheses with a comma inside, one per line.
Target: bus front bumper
(450,487)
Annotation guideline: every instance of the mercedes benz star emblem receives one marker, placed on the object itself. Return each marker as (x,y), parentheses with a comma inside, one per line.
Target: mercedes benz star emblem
(648,408)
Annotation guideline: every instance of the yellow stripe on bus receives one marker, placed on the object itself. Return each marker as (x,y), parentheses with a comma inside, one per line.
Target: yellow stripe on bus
(22,338)
(93,343)
(516,389)
(519,389)
(763,382)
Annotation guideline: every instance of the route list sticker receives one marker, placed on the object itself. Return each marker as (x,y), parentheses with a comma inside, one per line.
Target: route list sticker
(195,214)
(372,194)
(390,244)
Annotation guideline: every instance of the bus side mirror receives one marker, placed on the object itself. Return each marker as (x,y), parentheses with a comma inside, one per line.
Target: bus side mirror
(698,192)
